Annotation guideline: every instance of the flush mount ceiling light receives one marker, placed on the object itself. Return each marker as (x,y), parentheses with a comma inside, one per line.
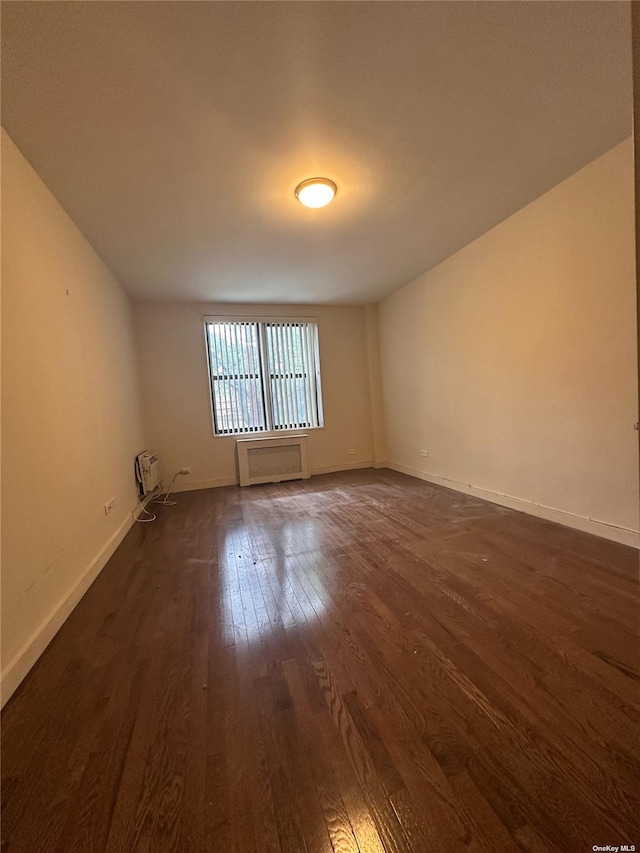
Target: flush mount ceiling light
(315,192)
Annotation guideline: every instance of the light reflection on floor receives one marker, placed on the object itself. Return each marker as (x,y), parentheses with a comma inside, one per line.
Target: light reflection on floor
(264,586)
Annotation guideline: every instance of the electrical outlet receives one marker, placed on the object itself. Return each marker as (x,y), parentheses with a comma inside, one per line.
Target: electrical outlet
(184,471)
(351,451)
(424,453)
(109,506)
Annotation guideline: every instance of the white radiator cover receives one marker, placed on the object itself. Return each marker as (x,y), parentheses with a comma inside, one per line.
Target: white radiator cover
(271,460)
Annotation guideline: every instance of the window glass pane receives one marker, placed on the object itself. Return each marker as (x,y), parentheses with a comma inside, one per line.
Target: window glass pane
(238,405)
(287,349)
(236,384)
(292,375)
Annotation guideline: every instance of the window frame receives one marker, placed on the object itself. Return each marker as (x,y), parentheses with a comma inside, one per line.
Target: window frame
(266,376)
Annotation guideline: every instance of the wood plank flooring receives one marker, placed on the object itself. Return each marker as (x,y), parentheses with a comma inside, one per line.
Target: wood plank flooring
(357,662)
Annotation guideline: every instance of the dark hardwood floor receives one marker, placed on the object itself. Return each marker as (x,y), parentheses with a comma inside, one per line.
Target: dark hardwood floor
(356,662)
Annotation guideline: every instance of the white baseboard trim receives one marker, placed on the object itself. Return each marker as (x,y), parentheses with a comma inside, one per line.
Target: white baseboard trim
(345,466)
(204,484)
(616,533)
(216,484)
(18,668)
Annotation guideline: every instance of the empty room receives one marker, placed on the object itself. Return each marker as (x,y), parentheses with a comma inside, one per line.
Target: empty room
(320,515)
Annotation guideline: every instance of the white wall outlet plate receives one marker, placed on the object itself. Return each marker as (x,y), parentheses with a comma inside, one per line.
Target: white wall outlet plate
(109,506)
(351,451)
(424,453)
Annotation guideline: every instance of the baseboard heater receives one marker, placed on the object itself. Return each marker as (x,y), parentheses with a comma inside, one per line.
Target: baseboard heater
(271,460)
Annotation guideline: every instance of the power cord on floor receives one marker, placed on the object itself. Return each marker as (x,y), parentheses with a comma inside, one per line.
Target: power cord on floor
(149,497)
(164,501)
(157,499)
(152,517)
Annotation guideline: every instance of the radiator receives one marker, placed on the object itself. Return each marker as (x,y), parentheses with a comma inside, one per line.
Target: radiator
(271,460)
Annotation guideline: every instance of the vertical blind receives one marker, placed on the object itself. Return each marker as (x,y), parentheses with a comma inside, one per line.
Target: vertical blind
(265,375)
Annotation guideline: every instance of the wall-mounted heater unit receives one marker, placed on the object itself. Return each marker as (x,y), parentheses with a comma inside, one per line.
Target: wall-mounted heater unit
(148,472)
(271,460)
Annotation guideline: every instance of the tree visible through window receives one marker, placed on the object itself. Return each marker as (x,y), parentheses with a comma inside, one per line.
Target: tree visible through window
(265,375)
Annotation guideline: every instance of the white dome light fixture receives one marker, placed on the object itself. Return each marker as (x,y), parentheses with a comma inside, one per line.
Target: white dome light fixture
(315,192)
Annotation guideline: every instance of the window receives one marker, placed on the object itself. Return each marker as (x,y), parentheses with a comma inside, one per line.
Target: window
(265,375)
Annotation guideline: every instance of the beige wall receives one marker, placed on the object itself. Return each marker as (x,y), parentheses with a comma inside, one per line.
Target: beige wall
(175,392)
(513,363)
(70,416)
